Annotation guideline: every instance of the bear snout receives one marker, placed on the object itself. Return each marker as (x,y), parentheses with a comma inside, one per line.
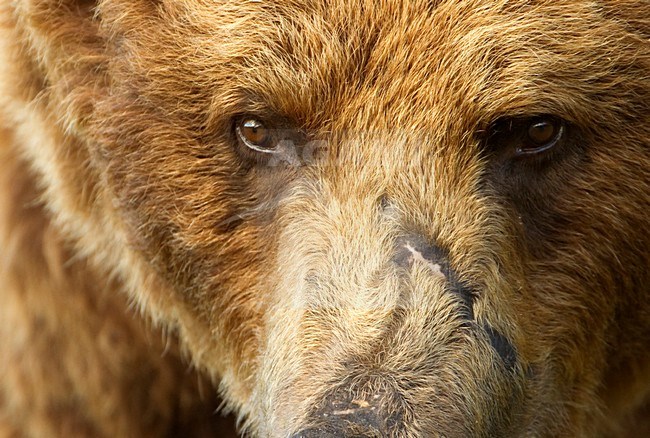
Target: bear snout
(374,411)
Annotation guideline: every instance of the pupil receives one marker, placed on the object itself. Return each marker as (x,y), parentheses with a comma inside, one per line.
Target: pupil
(541,132)
(254,131)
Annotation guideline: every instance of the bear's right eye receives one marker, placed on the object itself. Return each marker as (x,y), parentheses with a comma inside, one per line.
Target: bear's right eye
(255,135)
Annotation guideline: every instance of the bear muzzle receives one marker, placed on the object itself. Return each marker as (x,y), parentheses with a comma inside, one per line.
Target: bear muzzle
(371,412)
(426,364)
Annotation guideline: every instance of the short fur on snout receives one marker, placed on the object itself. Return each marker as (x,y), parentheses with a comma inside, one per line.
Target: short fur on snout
(405,271)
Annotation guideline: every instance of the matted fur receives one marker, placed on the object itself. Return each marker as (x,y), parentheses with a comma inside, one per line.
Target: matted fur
(126,212)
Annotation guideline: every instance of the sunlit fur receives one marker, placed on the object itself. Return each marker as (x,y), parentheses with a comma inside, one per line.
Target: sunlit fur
(136,240)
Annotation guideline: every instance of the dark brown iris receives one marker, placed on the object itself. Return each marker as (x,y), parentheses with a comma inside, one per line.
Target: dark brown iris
(541,134)
(255,134)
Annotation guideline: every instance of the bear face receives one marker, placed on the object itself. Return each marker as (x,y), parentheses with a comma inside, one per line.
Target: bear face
(362,219)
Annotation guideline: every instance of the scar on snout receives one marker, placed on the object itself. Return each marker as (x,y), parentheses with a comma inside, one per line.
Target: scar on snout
(362,405)
(418,256)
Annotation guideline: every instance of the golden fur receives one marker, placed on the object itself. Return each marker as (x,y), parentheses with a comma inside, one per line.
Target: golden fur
(136,239)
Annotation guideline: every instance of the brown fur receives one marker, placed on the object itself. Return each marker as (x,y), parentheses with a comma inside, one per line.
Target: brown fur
(127,212)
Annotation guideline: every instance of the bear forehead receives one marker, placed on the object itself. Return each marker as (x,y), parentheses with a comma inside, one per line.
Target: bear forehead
(423,65)
(416,61)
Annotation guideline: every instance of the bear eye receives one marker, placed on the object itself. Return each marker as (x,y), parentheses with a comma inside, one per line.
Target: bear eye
(540,134)
(255,135)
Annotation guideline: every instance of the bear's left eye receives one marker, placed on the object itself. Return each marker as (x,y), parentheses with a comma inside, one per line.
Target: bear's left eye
(525,137)
(255,135)
(540,134)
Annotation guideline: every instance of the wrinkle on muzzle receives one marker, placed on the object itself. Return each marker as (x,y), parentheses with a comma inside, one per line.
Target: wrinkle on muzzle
(411,249)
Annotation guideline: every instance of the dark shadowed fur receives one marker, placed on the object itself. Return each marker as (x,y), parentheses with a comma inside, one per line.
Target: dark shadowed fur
(416,275)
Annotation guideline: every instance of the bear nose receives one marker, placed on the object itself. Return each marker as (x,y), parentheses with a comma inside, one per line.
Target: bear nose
(353,421)
(350,430)
(346,415)
(367,427)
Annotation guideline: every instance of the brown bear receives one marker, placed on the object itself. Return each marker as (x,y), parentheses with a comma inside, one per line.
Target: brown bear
(344,218)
